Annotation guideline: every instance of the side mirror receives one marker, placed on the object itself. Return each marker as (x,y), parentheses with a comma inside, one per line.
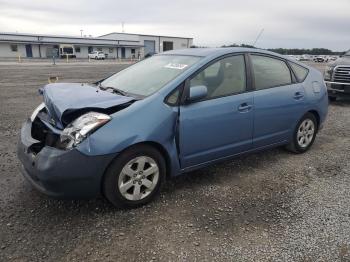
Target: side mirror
(197,93)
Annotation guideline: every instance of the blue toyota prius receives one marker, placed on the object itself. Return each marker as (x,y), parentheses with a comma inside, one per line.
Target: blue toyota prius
(166,115)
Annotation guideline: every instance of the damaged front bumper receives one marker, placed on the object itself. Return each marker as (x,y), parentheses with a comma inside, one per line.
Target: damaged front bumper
(57,172)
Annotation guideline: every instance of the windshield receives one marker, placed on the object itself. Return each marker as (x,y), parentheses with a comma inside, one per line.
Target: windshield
(150,75)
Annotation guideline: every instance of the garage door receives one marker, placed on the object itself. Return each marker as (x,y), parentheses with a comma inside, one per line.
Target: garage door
(150,47)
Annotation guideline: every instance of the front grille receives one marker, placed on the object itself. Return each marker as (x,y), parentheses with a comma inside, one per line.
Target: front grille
(342,74)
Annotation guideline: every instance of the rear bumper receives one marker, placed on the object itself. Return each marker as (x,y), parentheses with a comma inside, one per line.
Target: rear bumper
(60,173)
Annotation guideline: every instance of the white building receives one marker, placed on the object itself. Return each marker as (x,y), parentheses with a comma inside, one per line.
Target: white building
(114,45)
(153,44)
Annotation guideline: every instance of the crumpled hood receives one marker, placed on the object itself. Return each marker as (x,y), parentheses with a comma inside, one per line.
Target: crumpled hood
(65,98)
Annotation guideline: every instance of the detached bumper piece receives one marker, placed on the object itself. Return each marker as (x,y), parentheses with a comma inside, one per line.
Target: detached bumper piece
(60,173)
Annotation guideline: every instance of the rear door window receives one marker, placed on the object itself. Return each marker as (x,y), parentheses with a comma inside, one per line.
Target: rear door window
(270,72)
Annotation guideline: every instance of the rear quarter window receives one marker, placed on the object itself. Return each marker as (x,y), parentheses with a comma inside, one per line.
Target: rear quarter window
(300,71)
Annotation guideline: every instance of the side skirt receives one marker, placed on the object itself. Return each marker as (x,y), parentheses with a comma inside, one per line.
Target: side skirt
(208,163)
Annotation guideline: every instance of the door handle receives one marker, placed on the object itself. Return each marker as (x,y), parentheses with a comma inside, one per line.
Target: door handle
(298,95)
(245,107)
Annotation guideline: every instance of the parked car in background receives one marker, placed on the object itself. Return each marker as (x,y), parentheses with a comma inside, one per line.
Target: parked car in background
(333,58)
(304,58)
(319,59)
(167,115)
(337,77)
(97,55)
(294,57)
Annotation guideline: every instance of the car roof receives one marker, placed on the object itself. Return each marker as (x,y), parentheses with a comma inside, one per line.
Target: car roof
(204,52)
(219,51)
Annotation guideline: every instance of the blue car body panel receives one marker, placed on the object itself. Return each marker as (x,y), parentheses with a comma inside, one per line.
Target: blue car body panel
(276,111)
(188,135)
(215,128)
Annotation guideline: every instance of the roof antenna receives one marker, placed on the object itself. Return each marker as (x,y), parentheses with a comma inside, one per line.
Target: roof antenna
(257,38)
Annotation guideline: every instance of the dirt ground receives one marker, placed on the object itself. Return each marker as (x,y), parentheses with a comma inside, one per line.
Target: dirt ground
(269,206)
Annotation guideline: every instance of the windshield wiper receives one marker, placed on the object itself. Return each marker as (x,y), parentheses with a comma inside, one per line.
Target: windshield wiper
(115,90)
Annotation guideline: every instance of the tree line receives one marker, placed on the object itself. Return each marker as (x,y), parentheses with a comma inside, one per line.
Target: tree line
(290,51)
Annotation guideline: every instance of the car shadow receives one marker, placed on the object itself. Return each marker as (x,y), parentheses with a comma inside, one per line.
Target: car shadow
(225,170)
(228,197)
(341,101)
(208,176)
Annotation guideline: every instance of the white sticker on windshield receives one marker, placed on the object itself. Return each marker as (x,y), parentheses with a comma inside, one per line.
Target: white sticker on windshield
(176,66)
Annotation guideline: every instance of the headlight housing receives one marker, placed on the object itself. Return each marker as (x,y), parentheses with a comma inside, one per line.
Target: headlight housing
(80,128)
(328,72)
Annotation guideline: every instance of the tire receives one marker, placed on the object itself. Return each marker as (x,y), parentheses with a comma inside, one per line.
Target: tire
(124,183)
(302,137)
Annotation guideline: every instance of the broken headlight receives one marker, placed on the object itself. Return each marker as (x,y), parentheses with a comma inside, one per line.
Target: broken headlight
(80,128)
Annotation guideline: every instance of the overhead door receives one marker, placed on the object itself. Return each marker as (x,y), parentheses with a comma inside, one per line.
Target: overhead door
(150,47)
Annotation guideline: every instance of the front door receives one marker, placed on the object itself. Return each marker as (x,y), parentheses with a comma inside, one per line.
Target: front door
(123,52)
(220,125)
(278,101)
(29,51)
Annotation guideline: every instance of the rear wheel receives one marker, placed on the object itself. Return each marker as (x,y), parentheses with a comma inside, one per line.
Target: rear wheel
(304,134)
(134,177)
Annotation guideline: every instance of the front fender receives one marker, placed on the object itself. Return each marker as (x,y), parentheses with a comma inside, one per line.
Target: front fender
(148,120)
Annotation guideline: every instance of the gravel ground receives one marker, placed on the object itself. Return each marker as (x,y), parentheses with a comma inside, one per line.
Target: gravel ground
(269,206)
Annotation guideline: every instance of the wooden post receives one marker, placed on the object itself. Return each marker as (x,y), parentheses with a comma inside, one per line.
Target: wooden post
(52,79)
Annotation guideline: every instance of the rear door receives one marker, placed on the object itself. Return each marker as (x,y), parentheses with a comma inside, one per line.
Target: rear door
(220,125)
(278,100)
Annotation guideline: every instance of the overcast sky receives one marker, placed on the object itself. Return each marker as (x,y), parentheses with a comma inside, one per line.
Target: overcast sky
(293,23)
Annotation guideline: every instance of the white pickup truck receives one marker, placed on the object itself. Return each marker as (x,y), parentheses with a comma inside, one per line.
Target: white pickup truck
(97,55)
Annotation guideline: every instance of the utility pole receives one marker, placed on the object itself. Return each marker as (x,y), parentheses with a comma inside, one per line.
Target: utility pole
(257,38)
(81,32)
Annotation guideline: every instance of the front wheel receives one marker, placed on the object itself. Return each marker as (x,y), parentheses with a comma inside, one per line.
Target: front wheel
(304,134)
(134,177)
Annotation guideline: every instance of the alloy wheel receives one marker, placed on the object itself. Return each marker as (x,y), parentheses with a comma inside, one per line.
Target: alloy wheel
(306,132)
(138,178)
